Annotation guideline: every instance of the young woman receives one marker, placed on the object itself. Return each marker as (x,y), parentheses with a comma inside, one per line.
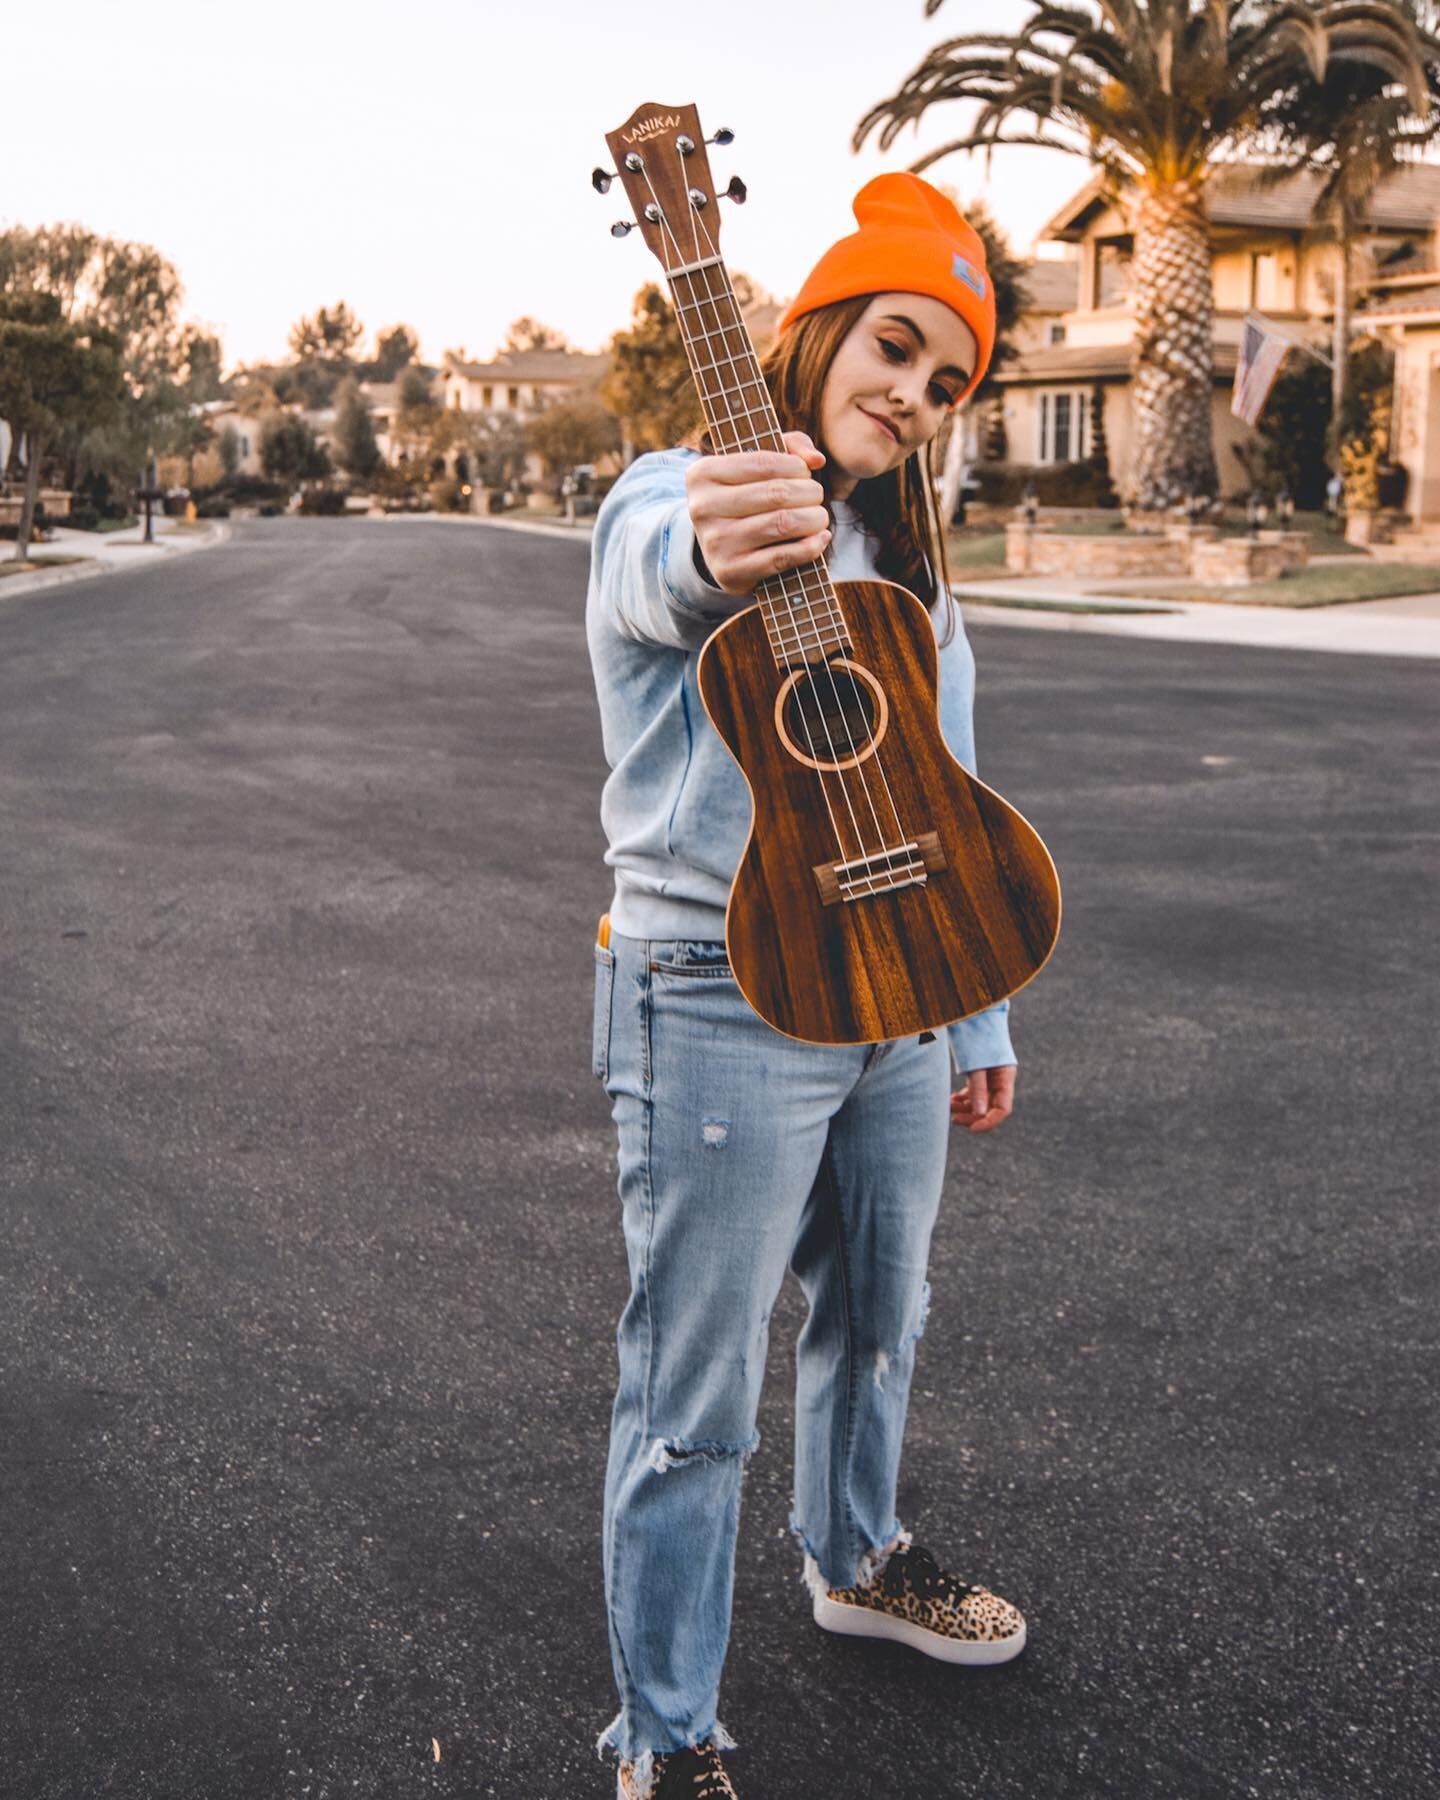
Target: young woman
(743,1152)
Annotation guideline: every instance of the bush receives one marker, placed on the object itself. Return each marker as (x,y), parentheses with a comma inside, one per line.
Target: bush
(1365,423)
(322,502)
(1056,484)
(97,495)
(445,496)
(214,506)
(240,490)
(1292,433)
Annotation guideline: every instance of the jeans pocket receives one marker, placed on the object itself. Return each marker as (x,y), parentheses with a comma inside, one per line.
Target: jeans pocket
(695,962)
(604,1007)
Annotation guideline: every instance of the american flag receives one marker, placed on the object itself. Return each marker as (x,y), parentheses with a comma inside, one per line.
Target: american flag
(1262,350)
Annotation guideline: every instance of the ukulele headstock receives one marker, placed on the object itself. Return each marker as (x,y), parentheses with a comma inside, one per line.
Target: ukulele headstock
(660,160)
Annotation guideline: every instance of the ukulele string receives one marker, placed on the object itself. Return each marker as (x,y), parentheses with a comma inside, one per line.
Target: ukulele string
(758,380)
(694,361)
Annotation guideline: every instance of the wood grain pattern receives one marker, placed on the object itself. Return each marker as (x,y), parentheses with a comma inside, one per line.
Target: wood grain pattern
(894,964)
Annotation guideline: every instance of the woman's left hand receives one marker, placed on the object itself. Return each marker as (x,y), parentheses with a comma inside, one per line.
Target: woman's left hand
(986,1100)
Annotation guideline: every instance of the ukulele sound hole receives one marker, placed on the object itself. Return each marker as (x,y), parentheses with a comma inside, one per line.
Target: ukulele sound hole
(832,716)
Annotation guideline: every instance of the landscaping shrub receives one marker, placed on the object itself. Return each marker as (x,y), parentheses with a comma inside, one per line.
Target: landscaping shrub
(1365,424)
(244,490)
(322,502)
(1290,448)
(1056,484)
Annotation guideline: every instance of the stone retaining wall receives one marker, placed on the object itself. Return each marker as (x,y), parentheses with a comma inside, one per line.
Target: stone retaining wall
(1194,550)
(1031,550)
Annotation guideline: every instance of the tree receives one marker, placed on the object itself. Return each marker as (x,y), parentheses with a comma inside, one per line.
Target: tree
(203,365)
(394,349)
(322,346)
(1355,127)
(355,446)
(57,379)
(648,385)
(1006,272)
(1288,450)
(500,450)
(529,334)
(1152,92)
(327,336)
(193,434)
(133,294)
(415,390)
(571,432)
(1364,428)
(289,450)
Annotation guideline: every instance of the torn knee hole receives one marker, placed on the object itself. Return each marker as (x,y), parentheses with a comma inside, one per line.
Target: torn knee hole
(884,1358)
(672,1453)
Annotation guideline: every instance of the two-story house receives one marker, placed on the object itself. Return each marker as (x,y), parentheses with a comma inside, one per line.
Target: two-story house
(518,381)
(1268,254)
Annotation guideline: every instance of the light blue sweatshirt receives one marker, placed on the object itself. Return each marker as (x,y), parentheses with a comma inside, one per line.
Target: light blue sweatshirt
(676,809)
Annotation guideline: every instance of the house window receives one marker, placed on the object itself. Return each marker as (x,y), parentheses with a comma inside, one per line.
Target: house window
(1272,282)
(1062,420)
(487,397)
(1057,334)
(512,396)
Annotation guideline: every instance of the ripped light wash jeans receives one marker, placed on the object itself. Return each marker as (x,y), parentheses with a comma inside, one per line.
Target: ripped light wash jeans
(743,1153)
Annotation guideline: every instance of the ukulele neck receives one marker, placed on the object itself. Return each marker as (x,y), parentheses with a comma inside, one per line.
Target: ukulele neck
(801,612)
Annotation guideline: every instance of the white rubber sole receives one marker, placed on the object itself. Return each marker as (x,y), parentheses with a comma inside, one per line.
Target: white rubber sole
(862,1621)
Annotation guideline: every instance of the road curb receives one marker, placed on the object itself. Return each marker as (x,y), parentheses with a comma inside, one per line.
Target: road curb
(13,586)
(574,534)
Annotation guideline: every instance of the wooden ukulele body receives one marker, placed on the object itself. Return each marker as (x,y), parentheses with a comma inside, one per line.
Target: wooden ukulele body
(816,951)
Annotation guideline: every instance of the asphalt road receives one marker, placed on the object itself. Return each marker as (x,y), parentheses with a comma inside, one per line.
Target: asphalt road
(310,1259)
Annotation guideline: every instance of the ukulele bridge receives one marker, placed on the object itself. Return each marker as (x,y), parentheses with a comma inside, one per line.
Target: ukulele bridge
(882,872)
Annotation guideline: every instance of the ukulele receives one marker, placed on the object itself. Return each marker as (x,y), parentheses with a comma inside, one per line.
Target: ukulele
(883,890)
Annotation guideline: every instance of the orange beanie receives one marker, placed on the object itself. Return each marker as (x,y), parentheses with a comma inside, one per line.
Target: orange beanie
(911,240)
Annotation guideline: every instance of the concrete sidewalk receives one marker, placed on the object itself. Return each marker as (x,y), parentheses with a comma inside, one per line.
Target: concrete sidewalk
(107,551)
(1408,625)
(1405,626)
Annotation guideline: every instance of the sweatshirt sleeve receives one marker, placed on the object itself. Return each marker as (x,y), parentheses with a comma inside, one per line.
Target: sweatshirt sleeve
(983,1040)
(643,568)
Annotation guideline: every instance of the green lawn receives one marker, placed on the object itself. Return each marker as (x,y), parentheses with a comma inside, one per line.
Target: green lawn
(1313,587)
(1087,603)
(11,567)
(973,548)
(1325,539)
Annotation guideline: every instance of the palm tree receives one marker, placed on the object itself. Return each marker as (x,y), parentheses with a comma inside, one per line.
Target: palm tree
(1354,129)
(1154,92)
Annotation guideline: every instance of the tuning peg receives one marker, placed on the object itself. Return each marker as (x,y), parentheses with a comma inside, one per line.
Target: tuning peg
(600,180)
(622,227)
(723,136)
(736,191)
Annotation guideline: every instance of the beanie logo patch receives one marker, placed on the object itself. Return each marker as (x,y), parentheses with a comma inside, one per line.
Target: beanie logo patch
(969,274)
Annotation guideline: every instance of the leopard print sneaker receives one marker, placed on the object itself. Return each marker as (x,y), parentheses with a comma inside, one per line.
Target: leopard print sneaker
(687,1775)
(913,1601)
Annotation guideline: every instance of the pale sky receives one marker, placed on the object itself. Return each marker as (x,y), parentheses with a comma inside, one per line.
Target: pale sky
(430,162)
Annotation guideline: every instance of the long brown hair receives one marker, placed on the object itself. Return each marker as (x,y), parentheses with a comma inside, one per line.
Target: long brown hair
(899,507)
